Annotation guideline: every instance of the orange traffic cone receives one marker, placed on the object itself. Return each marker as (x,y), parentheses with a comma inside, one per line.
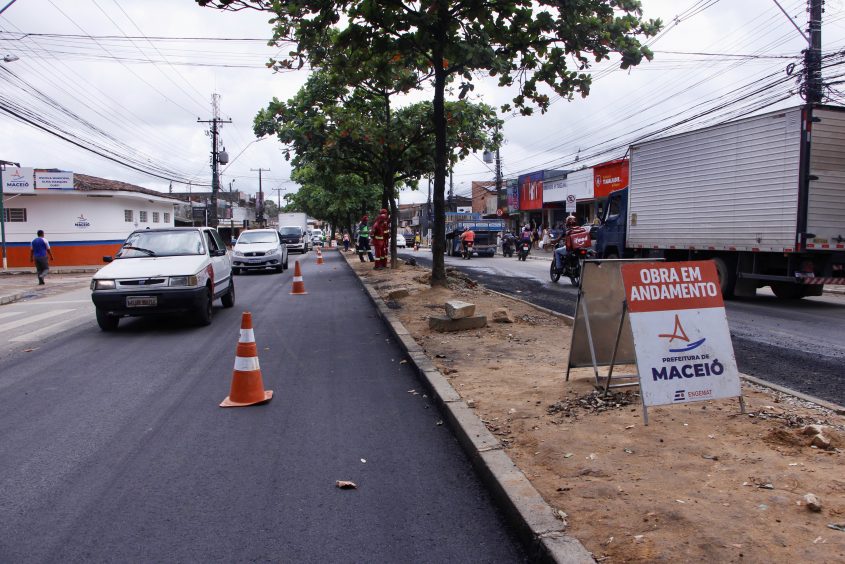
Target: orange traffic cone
(298,287)
(319,256)
(247,387)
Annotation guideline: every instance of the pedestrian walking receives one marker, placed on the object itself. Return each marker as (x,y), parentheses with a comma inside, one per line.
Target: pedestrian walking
(41,254)
(345,242)
(546,239)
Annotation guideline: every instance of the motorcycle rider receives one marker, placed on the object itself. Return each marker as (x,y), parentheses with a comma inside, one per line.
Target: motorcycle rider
(508,243)
(574,237)
(467,239)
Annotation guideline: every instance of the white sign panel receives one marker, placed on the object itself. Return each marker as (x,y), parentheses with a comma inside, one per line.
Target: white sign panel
(681,336)
(578,183)
(61,180)
(18,180)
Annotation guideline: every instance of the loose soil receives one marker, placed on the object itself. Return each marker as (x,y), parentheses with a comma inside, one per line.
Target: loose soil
(701,483)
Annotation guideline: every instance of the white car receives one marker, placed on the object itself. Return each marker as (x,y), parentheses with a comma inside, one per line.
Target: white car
(259,249)
(164,271)
(400,241)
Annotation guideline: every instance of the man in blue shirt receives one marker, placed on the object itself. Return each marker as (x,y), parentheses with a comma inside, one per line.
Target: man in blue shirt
(38,253)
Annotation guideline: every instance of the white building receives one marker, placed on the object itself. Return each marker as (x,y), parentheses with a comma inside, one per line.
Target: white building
(84,219)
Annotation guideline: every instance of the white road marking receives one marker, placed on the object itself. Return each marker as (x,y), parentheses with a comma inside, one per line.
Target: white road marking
(33,319)
(41,333)
(10,314)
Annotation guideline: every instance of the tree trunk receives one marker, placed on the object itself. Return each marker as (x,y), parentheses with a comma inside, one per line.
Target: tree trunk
(438,236)
(394,222)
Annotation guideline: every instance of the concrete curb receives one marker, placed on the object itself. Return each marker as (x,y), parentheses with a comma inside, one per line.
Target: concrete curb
(535,521)
(11,298)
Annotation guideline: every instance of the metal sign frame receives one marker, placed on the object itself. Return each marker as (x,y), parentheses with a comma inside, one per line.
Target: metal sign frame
(600,322)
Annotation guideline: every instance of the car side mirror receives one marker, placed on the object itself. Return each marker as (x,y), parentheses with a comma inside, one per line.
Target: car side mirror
(108,258)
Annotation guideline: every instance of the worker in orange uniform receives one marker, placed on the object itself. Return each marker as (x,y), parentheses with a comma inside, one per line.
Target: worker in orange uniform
(380,232)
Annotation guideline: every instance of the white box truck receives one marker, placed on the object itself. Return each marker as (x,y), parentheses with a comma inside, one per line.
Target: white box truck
(764,197)
(293,228)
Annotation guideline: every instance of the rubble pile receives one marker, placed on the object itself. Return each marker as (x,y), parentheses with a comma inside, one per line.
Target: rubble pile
(594,402)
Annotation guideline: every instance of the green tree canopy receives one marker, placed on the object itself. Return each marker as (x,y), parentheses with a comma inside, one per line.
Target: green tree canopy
(525,43)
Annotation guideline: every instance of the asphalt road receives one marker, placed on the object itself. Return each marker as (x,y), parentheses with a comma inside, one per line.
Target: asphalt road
(114,448)
(799,344)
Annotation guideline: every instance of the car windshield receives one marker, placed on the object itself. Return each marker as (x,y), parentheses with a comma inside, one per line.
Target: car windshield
(257,237)
(162,243)
(291,231)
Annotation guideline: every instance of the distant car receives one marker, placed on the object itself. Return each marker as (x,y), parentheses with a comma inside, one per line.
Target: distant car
(164,271)
(260,249)
(400,241)
(317,237)
(409,239)
(295,238)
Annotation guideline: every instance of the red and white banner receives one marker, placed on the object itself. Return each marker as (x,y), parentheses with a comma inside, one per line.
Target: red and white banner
(681,336)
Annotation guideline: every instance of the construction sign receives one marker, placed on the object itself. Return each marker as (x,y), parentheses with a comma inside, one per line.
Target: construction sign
(680,332)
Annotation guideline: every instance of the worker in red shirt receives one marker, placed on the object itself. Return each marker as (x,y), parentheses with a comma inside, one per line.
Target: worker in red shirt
(467,240)
(381,229)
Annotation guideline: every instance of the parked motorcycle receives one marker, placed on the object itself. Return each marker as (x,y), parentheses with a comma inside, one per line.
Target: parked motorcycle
(524,249)
(571,265)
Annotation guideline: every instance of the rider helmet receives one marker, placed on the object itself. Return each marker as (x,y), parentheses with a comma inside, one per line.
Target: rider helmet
(571,221)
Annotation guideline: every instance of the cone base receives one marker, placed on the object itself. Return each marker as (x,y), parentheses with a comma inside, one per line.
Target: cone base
(268,395)
(302,293)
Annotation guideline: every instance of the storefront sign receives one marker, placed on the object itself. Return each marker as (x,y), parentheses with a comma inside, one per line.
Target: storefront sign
(680,331)
(609,177)
(82,222)
(61,180)
(18,180)
(531,191)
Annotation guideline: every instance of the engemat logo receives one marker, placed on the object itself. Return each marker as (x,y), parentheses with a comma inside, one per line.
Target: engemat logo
(680,395)
(681,335)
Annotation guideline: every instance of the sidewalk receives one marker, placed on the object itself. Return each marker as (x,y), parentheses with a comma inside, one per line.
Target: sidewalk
(21,284)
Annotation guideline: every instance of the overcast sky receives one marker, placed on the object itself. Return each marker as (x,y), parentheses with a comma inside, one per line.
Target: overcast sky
(132,77)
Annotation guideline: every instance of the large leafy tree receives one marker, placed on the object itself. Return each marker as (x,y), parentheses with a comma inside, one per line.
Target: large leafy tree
(525,43)
(356,130)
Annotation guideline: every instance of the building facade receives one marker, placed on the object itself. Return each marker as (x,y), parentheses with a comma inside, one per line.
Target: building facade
(82,223)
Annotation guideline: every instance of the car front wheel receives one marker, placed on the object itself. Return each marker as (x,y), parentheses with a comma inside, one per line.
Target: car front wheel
(228,298)
(203,312)
(107,322)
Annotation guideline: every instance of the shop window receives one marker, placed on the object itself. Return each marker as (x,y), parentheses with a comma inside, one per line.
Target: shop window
(155,217)
(142,216)
(128,216)
(17,215)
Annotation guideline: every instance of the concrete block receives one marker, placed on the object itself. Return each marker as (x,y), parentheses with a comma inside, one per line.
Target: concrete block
(445,325)
(457,309)
(502,315)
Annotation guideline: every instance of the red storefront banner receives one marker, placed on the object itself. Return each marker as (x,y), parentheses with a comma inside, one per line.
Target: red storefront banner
(609,177)
(531,191)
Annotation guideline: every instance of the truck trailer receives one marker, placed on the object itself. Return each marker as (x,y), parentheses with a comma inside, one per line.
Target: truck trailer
(764,197)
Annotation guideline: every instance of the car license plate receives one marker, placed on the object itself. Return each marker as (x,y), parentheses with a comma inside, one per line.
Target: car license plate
(255,261)
(141,301)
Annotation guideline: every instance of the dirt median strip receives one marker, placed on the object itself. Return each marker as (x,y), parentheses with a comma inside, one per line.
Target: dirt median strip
(701,482)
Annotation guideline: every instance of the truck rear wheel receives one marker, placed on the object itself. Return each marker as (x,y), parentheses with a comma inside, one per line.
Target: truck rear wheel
(727,276)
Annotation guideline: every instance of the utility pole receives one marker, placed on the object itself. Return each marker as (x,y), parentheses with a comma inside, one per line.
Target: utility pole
(259,205)
(217,156)
(813,55)
(231,211)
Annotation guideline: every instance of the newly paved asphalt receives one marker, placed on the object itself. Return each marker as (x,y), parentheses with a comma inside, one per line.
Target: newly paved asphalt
(114,448)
